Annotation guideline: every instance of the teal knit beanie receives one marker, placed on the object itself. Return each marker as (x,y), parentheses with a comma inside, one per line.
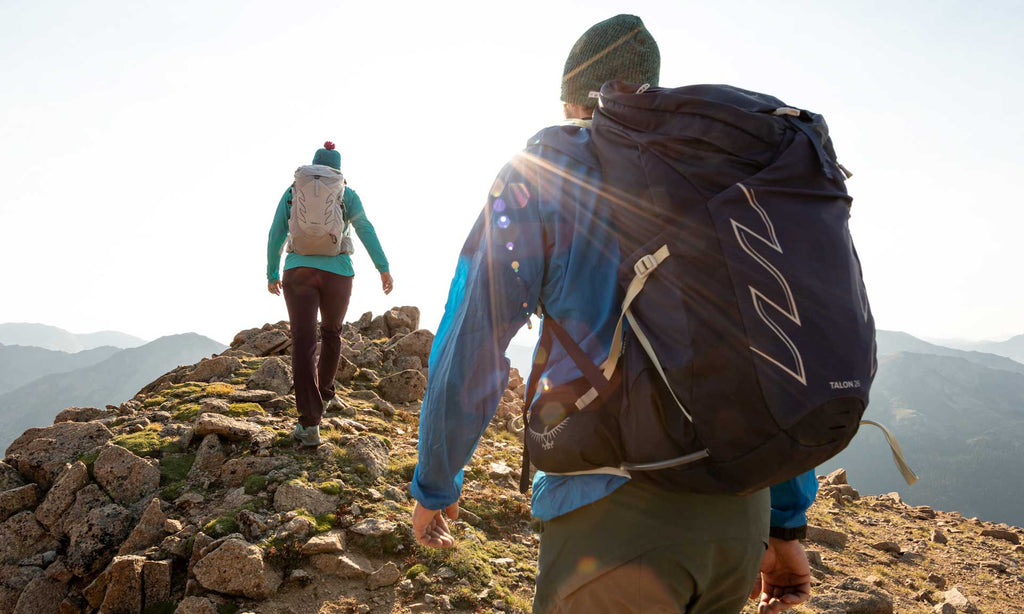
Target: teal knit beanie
(616,48)
(328,156)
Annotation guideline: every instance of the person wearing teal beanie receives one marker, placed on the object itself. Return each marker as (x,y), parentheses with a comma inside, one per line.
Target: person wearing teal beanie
(324,284)
(609,544)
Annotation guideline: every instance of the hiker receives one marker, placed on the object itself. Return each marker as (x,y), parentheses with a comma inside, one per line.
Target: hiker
(608,543)
(318,277)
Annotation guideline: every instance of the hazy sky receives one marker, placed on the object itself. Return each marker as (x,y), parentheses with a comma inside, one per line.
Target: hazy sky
(144,145)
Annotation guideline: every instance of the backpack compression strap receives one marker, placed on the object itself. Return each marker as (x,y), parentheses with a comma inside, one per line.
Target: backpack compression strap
(643,268)
(897,454)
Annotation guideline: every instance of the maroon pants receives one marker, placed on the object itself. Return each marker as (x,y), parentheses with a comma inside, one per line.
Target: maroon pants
(306,291)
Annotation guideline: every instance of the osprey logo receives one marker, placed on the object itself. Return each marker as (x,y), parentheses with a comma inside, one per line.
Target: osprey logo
(793,366)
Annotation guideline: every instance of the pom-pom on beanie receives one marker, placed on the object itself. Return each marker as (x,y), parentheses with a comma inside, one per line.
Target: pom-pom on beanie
(616,48)
(328,156)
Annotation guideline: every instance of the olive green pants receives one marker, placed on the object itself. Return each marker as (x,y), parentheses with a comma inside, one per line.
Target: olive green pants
(643,550)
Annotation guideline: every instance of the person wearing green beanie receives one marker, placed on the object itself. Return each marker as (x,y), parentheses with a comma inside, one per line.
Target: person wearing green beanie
(608,544)
(321,284)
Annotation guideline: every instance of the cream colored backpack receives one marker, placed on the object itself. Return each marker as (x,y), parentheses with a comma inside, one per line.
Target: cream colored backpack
(317,224)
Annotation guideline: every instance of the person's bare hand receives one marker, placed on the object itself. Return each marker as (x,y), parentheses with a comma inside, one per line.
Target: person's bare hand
(386,282)
(430,526)
(274,287)
(785,579)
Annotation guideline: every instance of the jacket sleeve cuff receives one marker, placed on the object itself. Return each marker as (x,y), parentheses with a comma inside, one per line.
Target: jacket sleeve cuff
(788,534)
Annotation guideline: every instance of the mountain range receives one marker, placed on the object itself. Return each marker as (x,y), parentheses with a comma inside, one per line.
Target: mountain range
(110,380)
(58,339)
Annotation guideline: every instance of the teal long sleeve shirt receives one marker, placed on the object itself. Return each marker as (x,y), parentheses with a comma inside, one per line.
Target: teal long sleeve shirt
(340,264)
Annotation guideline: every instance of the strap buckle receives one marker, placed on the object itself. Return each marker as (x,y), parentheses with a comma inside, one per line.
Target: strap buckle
(645,265)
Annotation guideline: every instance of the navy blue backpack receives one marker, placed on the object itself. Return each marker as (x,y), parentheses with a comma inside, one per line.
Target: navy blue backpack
(746,346)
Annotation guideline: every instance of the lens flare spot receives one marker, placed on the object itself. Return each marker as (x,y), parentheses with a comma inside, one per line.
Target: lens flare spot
(515,266)
(586,565)
(545,384)
(499,205)
(497,187)
(503,221)
(510,246)
(551,414)
(520,194)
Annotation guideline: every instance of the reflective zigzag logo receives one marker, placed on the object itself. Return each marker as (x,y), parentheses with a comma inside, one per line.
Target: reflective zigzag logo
(760,300)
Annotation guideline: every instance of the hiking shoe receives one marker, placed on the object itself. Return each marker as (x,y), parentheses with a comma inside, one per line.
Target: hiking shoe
(335,404)
(308,436)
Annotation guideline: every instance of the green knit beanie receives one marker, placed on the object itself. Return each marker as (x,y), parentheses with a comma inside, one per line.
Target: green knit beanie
(328,156)
(616,48)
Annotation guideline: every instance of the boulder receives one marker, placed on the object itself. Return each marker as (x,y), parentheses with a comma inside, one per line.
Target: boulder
(62,495)
(13,582)
(852,596)
(266,342)
(371,452)
(149,531)
(93,540)
(18,500)
(40,454)
(237,568)
(826,536)
(225,426)
(374,527)
(219,367)
(401,320)
(351,565)
(156,581)
(234,472)
(325,543)
(274,374)
(387,575)
(22,536)
(403,387)
(1002,534)
(88,498)
(405,363)
(84,414)
(416,343)
(296,495)
(125,476)
(209,458)
(346,370)
(41,595)
(9,477)
(123,593)
(251,396)
(959,601)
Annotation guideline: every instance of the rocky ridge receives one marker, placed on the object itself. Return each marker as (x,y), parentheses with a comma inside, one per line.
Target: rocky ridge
(192,498)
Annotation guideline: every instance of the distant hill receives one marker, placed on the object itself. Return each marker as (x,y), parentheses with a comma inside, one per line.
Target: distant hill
(20,364)
(53,338)
(112,381)
(1011,348)
(892,342)
(961,426)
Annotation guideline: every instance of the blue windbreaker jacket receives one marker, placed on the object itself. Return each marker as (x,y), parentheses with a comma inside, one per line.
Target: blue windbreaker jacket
(542,236)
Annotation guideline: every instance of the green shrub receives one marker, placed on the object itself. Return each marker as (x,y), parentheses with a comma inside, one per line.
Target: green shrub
(174,467)
(416,570)
(255,483)
(146,442)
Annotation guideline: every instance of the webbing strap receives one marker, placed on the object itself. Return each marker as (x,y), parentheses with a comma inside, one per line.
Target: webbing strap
(643,268)
(642,338)
(897,454)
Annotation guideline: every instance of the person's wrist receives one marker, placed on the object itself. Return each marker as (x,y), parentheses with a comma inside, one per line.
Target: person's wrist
(788,534)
